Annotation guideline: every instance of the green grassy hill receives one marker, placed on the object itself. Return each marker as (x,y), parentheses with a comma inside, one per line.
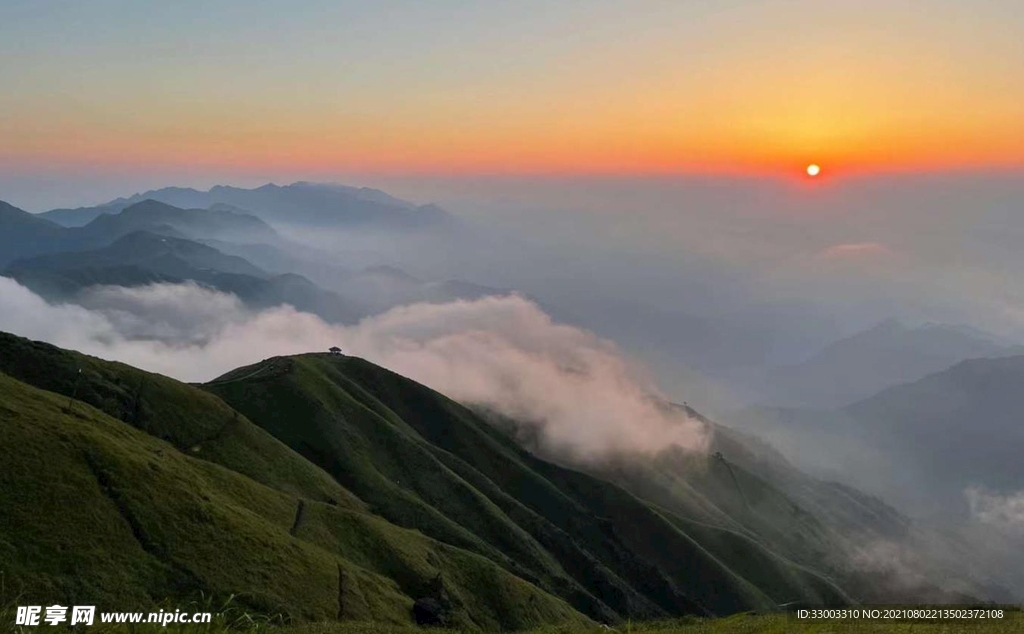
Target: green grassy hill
(423,461)
(192,499)
(322,487)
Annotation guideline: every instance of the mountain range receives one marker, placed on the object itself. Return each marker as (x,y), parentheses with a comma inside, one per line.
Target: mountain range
(26,234)
(321,486)
(142,258)
(299,203)
(958,428)
(150,241)
(884,355)
(922,444)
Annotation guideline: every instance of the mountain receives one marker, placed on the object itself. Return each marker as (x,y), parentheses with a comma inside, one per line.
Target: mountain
(746,486)
(887,354)
(226,228)
(934,446)
(142,258)
(80,216)
(423,461)
(389,493)
(22,233)
(215,223)
(827,443)
(284,257)
(919,444)
(321,486)
(960,428)
(124,488)
(299,203)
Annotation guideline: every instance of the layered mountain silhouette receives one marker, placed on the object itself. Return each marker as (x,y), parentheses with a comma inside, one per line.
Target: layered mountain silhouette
(142,257)
(922,444)
(887,354)
(216,223)
(958,428)
(23,234)
(151,242)
(299,203)
(131,243)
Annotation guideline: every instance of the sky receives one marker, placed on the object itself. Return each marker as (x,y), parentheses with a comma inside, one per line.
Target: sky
(112,94)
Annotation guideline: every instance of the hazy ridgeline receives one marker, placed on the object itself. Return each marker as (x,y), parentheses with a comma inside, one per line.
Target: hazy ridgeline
(823,319)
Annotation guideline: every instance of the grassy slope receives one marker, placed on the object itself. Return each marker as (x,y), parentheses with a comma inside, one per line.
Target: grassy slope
(81,525)
(80,522)
(191,419)
(423,461)
(229,521)
(819,525)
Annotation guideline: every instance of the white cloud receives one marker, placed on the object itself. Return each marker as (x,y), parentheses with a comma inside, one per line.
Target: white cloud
(503,352)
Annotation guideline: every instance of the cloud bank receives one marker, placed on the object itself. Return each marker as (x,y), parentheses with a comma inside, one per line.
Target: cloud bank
(502,352)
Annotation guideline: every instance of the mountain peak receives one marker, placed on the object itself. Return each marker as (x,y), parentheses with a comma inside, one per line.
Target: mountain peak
(149,205)
(9,211)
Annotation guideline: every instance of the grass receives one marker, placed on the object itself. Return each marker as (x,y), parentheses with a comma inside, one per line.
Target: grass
(97,512)
(322,488)
(423,461)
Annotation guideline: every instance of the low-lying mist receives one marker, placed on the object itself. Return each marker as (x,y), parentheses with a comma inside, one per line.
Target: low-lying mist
(501,352)
(585,401)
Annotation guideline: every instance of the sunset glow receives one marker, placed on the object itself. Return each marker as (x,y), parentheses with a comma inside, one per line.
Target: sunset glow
(863,87)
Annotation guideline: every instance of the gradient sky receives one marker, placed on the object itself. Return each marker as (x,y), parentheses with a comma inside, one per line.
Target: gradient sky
(261,88)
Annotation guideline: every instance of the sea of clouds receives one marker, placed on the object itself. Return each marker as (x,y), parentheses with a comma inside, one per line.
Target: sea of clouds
(501,352)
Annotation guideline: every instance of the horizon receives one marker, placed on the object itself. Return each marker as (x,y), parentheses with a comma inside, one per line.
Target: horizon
(594,89)
(39,194)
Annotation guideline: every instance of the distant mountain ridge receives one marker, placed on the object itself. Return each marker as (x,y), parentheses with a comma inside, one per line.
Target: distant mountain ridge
(887,354)
(218,222)
(210,246)
(142,257)
(923,444)
(22,233)
(299,203)
(25,235)
(960,427)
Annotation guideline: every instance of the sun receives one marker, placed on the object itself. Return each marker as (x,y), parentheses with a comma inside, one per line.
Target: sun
(813,169)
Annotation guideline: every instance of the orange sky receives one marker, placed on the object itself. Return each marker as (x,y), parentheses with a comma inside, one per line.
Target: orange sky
(758,87)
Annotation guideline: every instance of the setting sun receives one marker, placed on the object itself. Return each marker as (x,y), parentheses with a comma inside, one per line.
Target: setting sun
(813,169)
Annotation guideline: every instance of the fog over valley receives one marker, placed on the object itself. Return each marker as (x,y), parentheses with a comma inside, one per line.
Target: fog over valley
(739,351)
